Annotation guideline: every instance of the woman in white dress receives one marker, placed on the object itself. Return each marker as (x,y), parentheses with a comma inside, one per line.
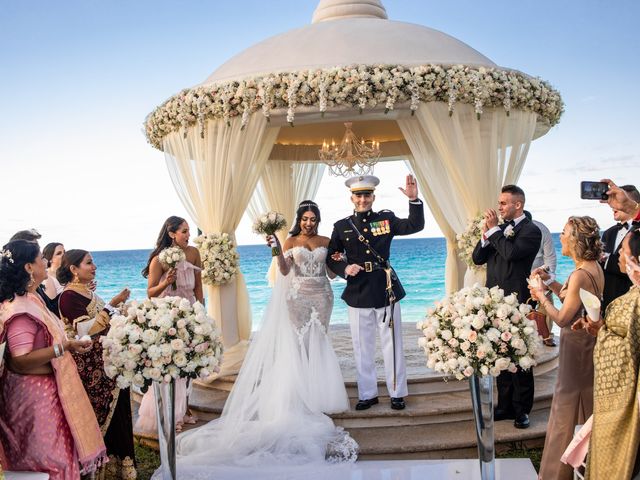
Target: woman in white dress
(290,376)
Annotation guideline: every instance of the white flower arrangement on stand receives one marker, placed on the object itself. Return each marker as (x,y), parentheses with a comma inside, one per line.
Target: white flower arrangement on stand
(476,333)
(161,339)
(220,259)
(479,331)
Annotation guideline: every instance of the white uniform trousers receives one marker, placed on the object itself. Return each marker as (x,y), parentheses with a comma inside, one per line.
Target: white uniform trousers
(364,323)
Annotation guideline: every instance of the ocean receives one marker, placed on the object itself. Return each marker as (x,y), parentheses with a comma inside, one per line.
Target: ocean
(419,263)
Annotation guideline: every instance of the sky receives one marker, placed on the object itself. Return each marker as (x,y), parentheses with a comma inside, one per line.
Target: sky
(77,79)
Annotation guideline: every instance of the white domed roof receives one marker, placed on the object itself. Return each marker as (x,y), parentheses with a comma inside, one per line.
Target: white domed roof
(348,33)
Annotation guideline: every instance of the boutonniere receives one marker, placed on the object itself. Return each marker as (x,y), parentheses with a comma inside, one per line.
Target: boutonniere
(509,232)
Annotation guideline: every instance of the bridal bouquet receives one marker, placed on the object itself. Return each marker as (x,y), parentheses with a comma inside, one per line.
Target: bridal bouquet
(269,224)
(161,339)
(479,330)
(219,258)
(170,257)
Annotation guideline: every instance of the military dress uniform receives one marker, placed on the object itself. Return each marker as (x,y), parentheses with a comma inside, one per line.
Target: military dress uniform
(365,293)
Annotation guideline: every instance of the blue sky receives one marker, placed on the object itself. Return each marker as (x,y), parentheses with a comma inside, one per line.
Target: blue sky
(78,77)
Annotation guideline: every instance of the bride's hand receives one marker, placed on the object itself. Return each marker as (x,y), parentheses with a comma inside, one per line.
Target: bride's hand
(271,239)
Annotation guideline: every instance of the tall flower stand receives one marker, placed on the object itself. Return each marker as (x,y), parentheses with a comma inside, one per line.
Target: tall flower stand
(482,401)
(165,394)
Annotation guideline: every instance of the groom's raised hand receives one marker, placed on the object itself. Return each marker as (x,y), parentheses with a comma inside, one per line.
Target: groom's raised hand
(411,188)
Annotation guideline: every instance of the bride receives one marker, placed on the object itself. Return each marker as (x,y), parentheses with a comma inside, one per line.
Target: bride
(290,376)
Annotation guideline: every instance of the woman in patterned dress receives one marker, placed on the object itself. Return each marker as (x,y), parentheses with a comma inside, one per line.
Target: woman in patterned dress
(84,312)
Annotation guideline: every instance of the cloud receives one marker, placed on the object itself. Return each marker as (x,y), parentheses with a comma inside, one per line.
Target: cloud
(610,164)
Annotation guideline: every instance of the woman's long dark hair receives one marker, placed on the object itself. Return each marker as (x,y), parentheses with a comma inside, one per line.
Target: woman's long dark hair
(304,207)
(13,276)
(634,243)
(71,257)
(171,224)
(49,250)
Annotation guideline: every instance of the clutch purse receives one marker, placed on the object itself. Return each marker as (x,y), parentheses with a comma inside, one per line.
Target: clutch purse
(540,318)
(541,323)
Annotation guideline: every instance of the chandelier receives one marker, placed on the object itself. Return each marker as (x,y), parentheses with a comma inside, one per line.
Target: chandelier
(352,157)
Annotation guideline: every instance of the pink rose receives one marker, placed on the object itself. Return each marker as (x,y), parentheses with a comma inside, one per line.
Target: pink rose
(473,336)
(506,336)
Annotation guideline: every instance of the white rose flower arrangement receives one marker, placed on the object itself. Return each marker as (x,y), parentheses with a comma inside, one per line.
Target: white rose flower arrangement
(220,259)
(479,331)
(268,224)
(161,339)
(468,240)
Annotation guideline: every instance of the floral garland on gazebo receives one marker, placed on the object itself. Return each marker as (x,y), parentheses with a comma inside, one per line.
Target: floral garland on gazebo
(360,86)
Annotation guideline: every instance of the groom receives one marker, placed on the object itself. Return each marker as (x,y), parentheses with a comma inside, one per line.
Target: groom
(509,250)
(373,291)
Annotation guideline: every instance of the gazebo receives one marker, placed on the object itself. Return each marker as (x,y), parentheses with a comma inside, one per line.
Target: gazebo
(253,128)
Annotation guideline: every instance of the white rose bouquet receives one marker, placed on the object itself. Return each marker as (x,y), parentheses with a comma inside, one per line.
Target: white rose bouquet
(479,330)
(269,224)
(220,259)
(161,339)
(170,257)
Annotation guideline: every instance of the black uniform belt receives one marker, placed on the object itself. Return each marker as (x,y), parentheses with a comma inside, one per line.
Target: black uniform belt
(371,266)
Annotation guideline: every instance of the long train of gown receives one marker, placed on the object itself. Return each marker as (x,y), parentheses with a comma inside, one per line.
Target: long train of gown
(272,416)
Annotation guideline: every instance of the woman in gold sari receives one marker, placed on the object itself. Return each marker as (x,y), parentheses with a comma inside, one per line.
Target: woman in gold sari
(84,312)
(615,435)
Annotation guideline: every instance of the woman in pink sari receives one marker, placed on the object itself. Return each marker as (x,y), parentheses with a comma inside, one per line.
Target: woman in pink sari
(183,281)
(46,421)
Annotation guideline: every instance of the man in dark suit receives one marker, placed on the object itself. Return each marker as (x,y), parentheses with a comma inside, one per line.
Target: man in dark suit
(616,282)
(509,250)
(359,252)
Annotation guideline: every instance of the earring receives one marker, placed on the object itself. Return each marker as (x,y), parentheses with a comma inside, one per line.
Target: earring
(31,281)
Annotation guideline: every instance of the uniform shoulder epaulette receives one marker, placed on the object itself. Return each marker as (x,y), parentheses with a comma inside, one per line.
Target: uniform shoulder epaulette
(385,211)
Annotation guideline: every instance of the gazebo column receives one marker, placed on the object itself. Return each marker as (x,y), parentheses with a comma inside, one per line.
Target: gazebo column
(462,162)
(215,172)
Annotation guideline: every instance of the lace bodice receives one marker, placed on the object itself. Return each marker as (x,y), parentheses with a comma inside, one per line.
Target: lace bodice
(308,263)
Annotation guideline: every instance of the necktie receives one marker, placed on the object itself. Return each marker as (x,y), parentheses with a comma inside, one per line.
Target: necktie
(511,222)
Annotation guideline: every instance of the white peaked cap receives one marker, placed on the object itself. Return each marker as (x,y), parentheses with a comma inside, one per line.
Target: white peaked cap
(362,183)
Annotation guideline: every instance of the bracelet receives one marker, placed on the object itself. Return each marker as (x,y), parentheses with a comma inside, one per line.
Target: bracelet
(58,350)
(111,310)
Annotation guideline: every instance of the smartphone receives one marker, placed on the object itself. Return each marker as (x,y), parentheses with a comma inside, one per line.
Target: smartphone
(594,190)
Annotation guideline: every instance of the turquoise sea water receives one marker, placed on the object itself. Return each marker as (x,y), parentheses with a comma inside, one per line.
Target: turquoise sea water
(419,263)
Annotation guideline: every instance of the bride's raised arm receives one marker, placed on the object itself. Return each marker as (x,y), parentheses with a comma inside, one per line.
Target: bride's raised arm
(284,264)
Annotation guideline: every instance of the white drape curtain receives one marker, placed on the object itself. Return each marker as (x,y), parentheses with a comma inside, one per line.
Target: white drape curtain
(215,176)
(461,164)
(283,185)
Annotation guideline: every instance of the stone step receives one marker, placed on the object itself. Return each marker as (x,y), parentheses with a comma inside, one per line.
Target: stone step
(444,440)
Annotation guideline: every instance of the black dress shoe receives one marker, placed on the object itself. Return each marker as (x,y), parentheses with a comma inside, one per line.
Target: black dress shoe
(397,403)
(502,415)
(364,404)
(521,421)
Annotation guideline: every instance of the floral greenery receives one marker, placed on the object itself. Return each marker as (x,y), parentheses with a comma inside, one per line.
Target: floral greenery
(358,86)
(269,223)
(220,258)
(479,330)
(161,339)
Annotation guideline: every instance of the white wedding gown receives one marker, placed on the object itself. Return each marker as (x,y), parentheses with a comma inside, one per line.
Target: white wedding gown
(273,416)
